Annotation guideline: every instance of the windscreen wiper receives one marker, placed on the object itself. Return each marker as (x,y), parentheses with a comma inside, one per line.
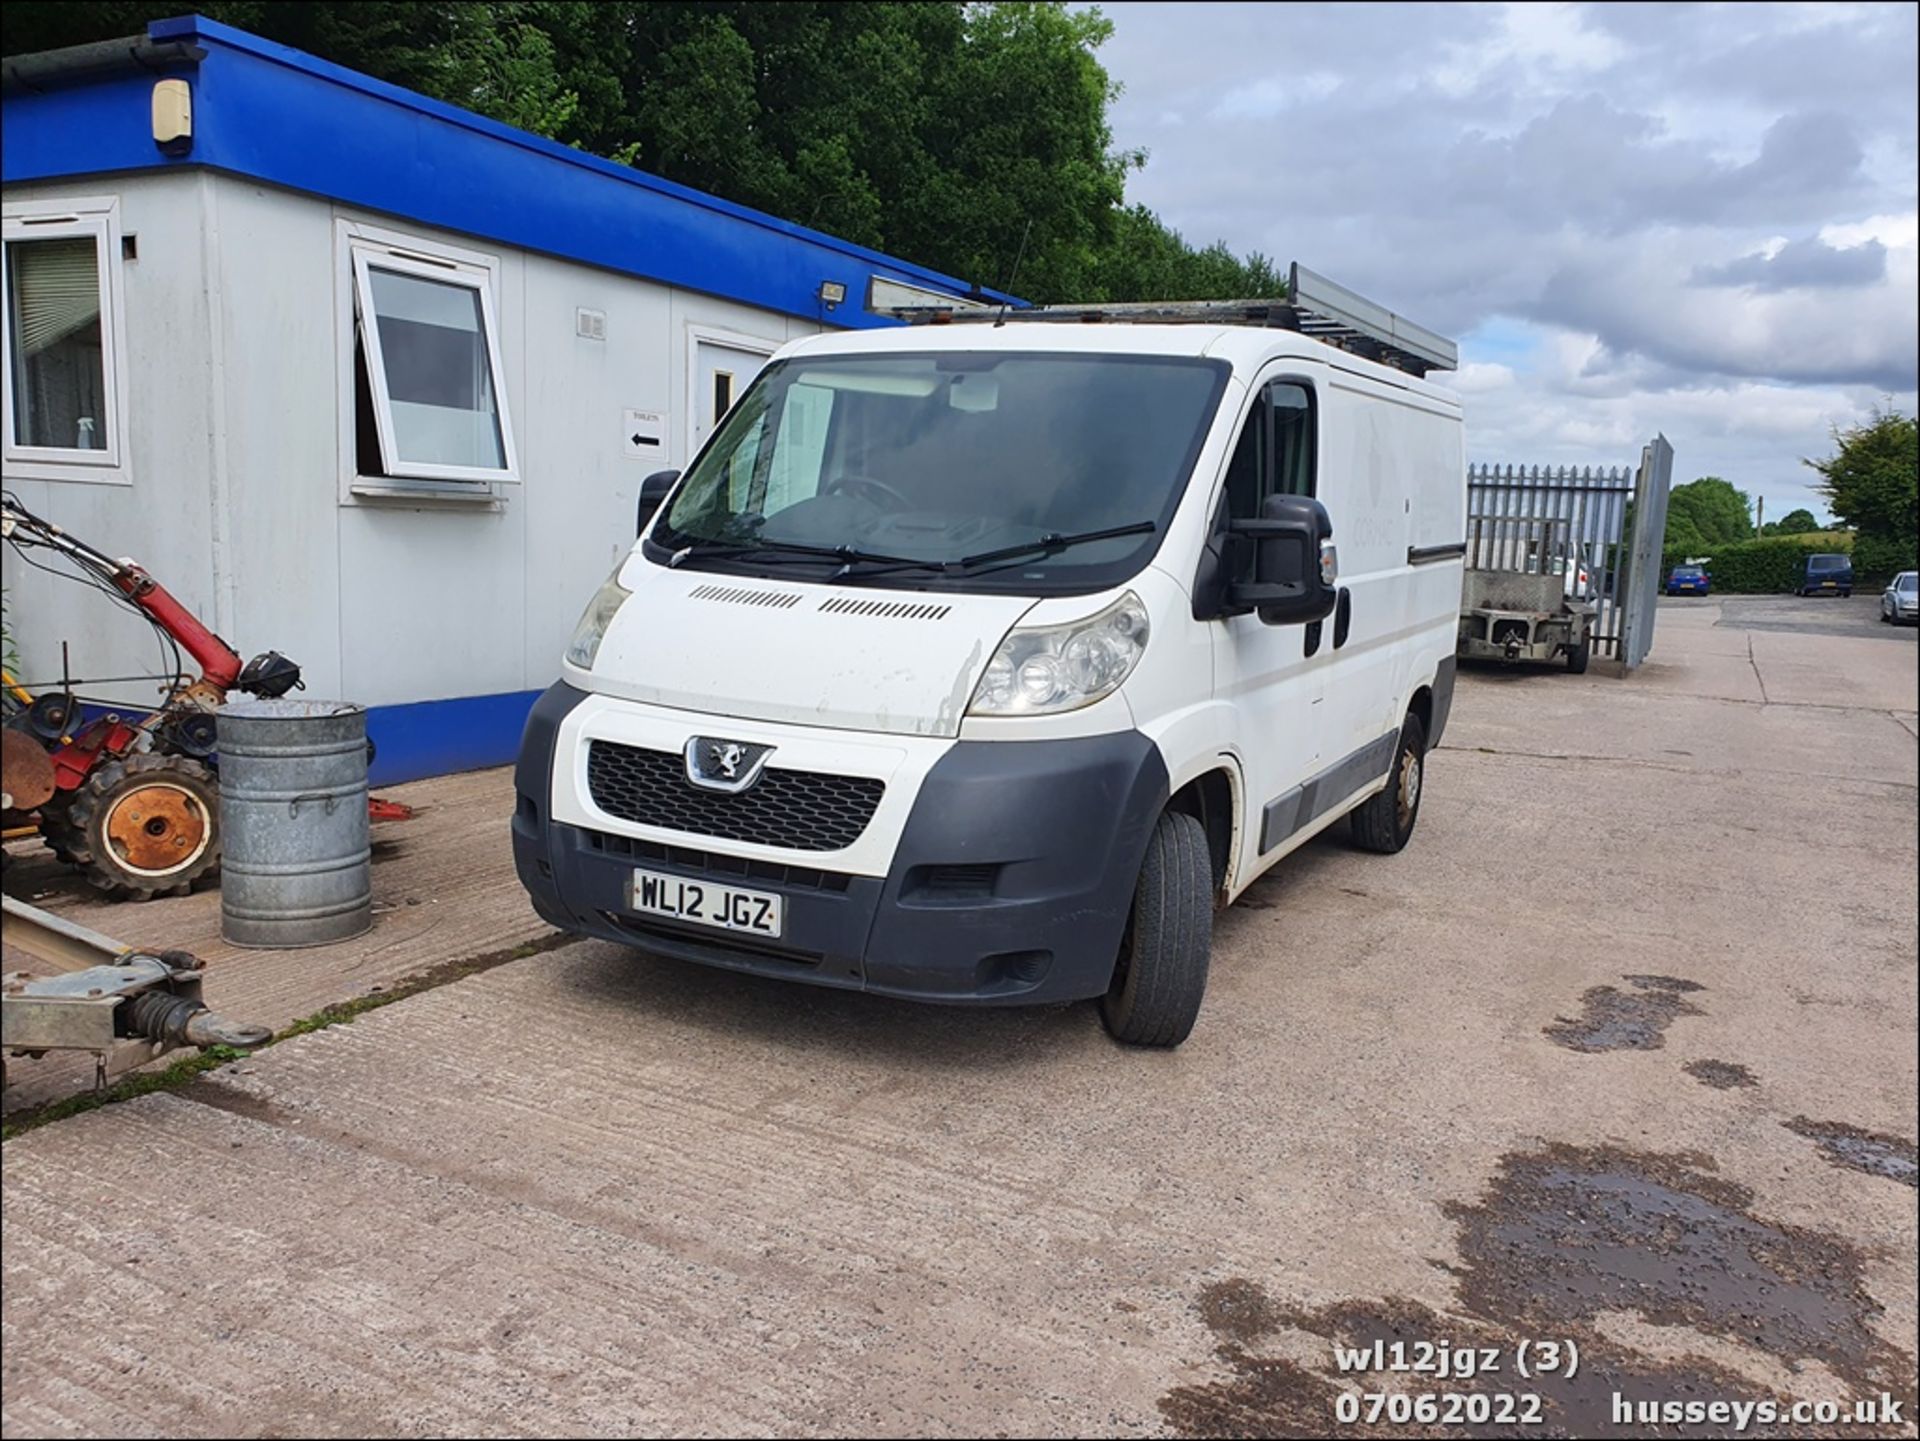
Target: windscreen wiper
(1051,542)
(845,555)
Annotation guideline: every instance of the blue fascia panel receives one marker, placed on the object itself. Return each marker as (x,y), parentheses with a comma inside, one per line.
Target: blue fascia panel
(278,115)
(415,741)
(439,737)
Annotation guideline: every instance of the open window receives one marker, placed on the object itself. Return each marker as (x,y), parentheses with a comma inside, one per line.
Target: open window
(1275,455)
(429,392)
(64,365)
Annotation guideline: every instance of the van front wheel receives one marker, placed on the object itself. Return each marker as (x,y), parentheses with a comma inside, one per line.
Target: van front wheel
(1161,975)
(1385,822)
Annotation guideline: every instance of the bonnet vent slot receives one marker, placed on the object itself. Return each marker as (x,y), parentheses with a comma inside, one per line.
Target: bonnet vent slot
(736,595)
(883,609)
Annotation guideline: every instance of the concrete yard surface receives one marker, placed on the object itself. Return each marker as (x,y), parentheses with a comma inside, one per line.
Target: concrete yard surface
(1621,1052)
(443,891)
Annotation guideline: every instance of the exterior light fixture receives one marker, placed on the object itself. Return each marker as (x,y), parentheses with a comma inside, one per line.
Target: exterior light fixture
(832,293)
(173,116)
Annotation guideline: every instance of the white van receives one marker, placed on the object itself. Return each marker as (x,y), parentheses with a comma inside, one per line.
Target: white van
(979,661)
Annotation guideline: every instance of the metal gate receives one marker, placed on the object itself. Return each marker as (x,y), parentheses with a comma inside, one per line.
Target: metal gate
(1600,528)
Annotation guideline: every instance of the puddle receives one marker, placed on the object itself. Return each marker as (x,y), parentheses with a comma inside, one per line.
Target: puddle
(1721,1075)
(1566,1233)
(1561,1238)
(1237,1310)
(1871,1152)
(1617,1020)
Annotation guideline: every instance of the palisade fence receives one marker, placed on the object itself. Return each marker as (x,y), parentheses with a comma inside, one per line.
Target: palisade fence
(1544,519)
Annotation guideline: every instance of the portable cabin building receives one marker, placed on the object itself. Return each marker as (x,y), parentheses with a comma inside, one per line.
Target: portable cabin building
(358,375)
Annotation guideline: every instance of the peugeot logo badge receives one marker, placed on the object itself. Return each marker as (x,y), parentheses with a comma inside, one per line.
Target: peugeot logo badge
(723,765)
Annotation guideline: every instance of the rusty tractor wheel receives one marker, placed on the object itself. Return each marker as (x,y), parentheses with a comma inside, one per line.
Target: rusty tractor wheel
(143,826)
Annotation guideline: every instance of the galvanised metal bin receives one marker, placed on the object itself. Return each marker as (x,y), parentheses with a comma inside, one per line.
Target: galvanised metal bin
(296,867)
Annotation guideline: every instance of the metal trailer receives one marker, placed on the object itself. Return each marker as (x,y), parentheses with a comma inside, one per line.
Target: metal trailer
(1528,594)
(123,1005)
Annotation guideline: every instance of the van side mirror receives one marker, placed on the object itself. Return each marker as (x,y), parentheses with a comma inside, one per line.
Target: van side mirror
(1295,572)
(653,490)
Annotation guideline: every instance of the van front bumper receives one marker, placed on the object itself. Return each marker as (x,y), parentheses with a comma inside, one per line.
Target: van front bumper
(1009,885)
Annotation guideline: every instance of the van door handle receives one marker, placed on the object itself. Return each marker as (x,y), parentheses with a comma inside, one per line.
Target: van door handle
(1342,617)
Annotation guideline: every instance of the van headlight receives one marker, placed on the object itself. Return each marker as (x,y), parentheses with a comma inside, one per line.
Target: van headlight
(599,614)
(1045,669)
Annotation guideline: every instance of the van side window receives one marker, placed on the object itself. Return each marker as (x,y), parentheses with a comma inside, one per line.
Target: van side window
(1274,456)
(1291,406)
(1247,470)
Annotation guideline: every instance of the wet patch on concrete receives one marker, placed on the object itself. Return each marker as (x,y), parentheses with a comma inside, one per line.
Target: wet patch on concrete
(1721,1075)
(1563,1237)
(1566,1233)
(1615,1020)
(1238,1310)
(1871,1152)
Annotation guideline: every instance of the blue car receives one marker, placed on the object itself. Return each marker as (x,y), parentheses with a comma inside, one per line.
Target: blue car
(1828,575)
(1687,580)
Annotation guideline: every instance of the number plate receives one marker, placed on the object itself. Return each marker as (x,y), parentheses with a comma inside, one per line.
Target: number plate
(725,908)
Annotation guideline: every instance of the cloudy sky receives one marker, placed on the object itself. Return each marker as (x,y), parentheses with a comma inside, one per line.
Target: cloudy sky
(1636,218)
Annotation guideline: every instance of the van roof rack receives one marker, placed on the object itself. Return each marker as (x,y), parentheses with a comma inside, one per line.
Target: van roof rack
(1314,305)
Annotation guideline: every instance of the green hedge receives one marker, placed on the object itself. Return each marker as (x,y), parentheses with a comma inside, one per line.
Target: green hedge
(1773,566)
(1877,559)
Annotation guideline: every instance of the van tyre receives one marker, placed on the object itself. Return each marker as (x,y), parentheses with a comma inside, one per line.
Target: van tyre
(1578,656)
(1162,972)
(140,827)
(1385,823)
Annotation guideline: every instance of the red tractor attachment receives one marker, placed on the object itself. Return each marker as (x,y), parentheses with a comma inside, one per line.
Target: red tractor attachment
(135,795)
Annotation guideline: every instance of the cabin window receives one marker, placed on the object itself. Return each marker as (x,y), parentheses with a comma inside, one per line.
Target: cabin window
(429,396)
(62,337)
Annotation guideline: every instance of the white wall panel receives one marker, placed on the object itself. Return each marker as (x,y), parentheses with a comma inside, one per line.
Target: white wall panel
(163,517)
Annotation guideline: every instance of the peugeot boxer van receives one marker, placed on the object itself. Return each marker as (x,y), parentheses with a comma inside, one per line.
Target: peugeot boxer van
(978,662)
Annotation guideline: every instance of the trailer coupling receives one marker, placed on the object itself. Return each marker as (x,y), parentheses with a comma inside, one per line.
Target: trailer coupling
(124,1005)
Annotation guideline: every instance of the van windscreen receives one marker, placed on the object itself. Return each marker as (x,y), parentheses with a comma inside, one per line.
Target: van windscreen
(927,461)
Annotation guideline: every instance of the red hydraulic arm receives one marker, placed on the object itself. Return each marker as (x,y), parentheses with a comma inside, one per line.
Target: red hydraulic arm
(216,658)
(217,661)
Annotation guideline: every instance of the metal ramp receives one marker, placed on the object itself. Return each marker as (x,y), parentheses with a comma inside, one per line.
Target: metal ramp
(1313,306)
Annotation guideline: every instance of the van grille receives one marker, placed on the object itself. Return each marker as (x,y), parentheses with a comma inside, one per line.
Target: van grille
(797,810)
(713,864)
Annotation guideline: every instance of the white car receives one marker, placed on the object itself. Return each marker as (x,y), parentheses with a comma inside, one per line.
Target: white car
(977,662)
(1900,601)
(1578,586)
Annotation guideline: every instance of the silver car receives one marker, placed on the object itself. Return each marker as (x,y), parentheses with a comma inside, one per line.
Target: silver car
(1900,601)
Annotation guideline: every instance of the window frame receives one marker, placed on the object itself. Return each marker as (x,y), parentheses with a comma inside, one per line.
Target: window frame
(697,332)
(364,248)
(1310,429)
(1267,460)
(98,218)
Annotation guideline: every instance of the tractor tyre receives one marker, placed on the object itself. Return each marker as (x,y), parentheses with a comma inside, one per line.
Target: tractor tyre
(142,826)
(57,829)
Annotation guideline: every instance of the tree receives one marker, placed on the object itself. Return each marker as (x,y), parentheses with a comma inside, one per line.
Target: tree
(1705,513)
(1872,480)
(1794,522)
(972,138)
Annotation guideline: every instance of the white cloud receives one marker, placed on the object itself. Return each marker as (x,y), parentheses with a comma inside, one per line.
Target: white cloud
(1896,232)
(1639,217)
(1536,38)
